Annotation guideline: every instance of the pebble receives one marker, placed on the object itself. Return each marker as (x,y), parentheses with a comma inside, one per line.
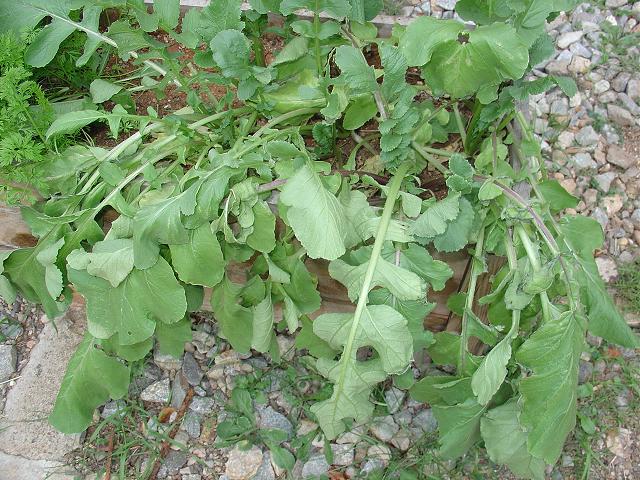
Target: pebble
(612,204)
(173,462)
(166,362)
(425,421)
(583,160)
(601,87)
(633,89)
(446,4)
(619,157)
(383,428)
(270,418)
(243,464)
(113,407)
(585,372)
(620,116)
(8,361)
(382,453)
(202,405)
(191,424)
(191,370)
(343,454)
(315,467)
(178,393)
(601,217)
(587,136)
(394,398)
(604,180)
(265,471)
(158,392)
(566,139)
(568,38)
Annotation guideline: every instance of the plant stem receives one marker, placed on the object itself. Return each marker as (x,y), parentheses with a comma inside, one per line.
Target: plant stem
(381,234)
(532,253)
(316,39)
(471,290)
(463,133)
(218,116)
(283,118)
(258,51)
(422,151)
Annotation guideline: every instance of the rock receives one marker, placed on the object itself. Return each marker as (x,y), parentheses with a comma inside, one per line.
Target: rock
(24,428)
(384,428)
(178,393)
(635,218)
(601,217)
(620,82)
(568,38)
(590,196)
(202,405)
(604,180)
(587,136)
(585,372)
(618,156)
(243,464)
(191,370)
(601,86)
(620,116)
(286,346)
(633,89)
(20,468)
(305,426)
(191,424)
(565,139)
(381,453)
(394,398)
(559,106)
(558,67)
(615,3)
(579,64)
(446,4)
(607,269)
(265,472)
(583,161)
(354,436)
(8,361)
(343,454)
(315,467)
(270,418)
(567,461)
(202,341)
(166,362)
(401,440)
(158,392)
(173,462)
(612,204)
(425,421)
(619,441)
(112,408)
(629,104)
(623,399)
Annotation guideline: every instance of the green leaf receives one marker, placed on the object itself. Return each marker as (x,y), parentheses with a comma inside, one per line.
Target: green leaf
(459,427)
(306,339)
(359,112)
(73,121)
(200,261)
(418,260)
(458,232)
(335,8)
(484,12)
(531,19)
(315,214)
(91,379)
(235,320)
(423,35)
(7,290)
(168,12)
(219,16)
(263,237)
(442,390)
(132,308)
(552,354)
(506,441)
(354,70)
(583,236)
(492,54)
(161,223)
(488,378)
(102,90)
(172,337)
(402,283)
(263,324)
(297,48)
(435,218)
(109,259)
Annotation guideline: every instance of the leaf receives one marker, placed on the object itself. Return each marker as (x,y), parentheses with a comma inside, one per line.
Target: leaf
(418,260)
(263,237)
(531,19)
(458,232)
(52,274)
(263,324)
(132,308)
(488,378)
(484,12)
(402,283)
(423,35)
(109,259)
(168,12)
(552,354)
(200,261)
(442,390)
(306,339)
(315,214)
(492,54)
(161,223)
(459,427)
(91,379)
(27,268)
(235,320)
(335,8)
(297,48)
(354,70)
(359,112)
(506,441)
(102,90)
(219,16)
(435,218)
(73,121)
(7,290)
(380,327)
(172,337)
(584,235)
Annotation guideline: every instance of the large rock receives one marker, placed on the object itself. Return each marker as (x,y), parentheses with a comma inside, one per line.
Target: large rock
(20,468)
(620,157)
(24,429)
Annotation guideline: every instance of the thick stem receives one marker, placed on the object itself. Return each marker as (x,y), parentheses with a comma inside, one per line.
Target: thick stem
(532,254)
(473,280)
(463,132)
(422,151)
(283,118)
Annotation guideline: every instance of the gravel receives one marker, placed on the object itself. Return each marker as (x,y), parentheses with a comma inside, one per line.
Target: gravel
(8,361)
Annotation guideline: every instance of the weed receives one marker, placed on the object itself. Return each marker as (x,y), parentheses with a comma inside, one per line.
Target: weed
(628,284)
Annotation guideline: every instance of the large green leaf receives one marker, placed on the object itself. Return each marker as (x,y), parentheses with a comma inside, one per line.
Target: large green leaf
(531,18)
(418,260)
(7,291)
(172,336)
(458,232)
(459,426)
(235,320)
(552,354)
(423,35)
(402,283)
(483,12)
(506,441)
(433,221)
(583,236)
(442,390)
(355,72)
(73,121)
(92,378)
(263,335)
(200,261)
(132,308)
(491,54)
(219,16)
(109,259)
(335,8)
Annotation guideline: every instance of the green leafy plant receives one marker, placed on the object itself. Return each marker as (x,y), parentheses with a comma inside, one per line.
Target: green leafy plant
(239,182)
